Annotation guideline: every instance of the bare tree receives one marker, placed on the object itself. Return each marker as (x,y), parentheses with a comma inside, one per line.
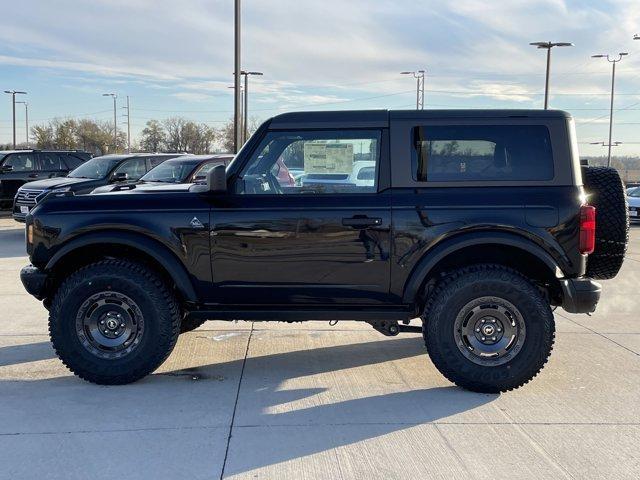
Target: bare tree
(154,137)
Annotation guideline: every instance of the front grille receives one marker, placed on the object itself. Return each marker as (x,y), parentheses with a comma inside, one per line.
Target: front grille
(27,196)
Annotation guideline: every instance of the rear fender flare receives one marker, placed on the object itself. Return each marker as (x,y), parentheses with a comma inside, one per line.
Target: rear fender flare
(447,247)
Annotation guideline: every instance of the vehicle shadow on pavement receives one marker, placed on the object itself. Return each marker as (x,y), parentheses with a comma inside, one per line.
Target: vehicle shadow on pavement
(13,244)
(30,352)
(286,408)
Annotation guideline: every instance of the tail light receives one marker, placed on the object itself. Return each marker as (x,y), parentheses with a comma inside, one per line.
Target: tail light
(587,229)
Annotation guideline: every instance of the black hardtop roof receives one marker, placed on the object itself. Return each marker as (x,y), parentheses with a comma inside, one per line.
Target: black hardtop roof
(377,118)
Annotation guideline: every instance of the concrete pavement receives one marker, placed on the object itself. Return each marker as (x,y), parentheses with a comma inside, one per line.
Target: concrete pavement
(313,401)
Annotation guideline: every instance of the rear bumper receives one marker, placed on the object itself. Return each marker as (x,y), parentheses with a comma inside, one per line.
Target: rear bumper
(34,281)
(580,295)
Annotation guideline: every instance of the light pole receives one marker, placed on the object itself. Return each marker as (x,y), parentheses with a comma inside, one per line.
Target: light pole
(26,120)
(548,46)
(245,116)
(115,120)
(13,94)
(237,106)
(419,76)
(613,61)
(128,115)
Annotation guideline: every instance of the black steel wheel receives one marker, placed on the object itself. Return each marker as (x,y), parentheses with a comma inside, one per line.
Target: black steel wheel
(109,324)
(488,329)
(113,322)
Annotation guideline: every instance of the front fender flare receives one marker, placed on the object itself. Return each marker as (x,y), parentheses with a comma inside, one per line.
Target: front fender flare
(151,247)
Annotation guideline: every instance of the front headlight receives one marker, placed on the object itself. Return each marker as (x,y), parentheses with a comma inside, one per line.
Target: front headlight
(55,191)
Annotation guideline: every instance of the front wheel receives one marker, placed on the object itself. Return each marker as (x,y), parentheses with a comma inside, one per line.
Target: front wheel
(113,322)
(488,329)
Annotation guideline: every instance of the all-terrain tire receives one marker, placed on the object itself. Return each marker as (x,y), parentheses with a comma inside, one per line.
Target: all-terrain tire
(605,191)
(446,306)
(108,289)
(189,324)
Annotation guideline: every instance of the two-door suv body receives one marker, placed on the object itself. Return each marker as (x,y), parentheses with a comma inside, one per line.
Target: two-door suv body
(475,221)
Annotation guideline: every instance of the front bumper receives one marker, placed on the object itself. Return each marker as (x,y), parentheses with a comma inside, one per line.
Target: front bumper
(580,295)
(34,281)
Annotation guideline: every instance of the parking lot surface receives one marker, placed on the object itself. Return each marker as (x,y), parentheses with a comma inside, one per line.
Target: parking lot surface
(307,400)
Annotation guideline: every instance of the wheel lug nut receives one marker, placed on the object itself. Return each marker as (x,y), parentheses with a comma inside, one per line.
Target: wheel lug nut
(122,325)
(101,322)
(483,338)
(493,338)
(483,320)
(493,320)
(477,329)
(499,329)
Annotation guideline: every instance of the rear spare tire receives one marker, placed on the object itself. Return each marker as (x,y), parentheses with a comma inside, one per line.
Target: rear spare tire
(605,191)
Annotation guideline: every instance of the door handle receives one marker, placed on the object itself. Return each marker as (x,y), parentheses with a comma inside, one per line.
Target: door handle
(33,175)
(361,221)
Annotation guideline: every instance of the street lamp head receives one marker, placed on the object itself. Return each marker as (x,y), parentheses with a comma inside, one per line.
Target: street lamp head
(600,55)
(541,44)
(406,73)
(109,95)
(254,73)
(15,92)
(622,54)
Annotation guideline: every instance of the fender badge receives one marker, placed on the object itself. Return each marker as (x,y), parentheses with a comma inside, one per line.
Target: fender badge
(195,223)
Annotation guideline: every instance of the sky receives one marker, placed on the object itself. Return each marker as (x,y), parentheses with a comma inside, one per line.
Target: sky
(175,58)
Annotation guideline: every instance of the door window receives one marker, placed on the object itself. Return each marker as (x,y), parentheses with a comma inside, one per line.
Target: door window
(21,162)
(314,162)
(134,168)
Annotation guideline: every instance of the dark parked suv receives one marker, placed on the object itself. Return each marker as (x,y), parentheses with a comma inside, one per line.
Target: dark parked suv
(478,222)
(114,169)
(18,167)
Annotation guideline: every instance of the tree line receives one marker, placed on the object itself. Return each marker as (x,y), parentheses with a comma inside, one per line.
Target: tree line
(174,134)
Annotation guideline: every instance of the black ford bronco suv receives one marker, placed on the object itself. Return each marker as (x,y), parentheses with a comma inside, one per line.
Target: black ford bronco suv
(479,222)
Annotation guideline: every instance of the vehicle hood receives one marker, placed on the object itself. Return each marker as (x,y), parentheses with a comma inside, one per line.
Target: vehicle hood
(57,182)
(142,188)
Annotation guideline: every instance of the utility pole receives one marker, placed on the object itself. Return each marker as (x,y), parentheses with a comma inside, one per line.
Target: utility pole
(613,61)
(13,94)
(115,120)
(419,76)
(237,99)
(548,46)
(245,116)
(26,120)
(128,115)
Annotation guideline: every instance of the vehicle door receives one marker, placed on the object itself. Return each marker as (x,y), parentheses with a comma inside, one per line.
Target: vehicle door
(276,241)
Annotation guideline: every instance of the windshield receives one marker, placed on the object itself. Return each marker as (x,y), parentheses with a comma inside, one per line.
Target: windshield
(634,192)
(171,171)
(95,168)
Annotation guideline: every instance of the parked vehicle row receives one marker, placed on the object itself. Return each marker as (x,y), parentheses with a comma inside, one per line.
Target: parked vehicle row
(114,172)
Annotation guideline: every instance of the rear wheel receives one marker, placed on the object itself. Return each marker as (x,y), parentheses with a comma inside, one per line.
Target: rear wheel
(113,322)
(488,329)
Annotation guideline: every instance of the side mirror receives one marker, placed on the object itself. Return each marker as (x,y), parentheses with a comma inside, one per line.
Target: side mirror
(6,168)
(217,179)
(120,177)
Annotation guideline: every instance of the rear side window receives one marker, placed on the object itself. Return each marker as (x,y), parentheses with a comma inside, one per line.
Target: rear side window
(464,153)
(21,162)
(52,161)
